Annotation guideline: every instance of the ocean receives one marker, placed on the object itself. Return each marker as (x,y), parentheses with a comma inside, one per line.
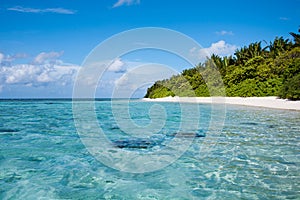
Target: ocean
(146,150)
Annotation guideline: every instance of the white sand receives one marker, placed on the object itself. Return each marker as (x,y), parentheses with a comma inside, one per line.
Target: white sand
(266,102)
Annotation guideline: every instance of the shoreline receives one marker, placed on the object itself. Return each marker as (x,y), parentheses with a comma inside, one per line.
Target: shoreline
(264,102)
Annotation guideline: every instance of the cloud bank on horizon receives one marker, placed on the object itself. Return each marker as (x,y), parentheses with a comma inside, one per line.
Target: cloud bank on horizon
(47,70)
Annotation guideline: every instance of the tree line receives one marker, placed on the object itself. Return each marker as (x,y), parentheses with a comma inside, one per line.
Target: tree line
(253,70)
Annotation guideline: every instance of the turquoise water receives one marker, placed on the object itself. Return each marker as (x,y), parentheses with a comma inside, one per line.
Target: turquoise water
(256,156)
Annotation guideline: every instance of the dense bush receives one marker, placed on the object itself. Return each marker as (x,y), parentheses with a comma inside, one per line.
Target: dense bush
(291,88)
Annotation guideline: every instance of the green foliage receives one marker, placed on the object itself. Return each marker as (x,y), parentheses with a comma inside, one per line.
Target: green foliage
(296,38)
(248,52)
(158,90)
(202,91)
(253,87)
(279,46)
(245,88)
(291,88)
(254,71)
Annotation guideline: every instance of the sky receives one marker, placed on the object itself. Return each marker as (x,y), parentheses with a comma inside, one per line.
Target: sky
(43,44)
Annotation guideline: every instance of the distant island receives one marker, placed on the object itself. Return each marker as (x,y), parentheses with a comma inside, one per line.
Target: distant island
(253,71)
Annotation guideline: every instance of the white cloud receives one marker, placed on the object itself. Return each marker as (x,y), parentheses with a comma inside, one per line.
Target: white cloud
(45,10)
(138,77)
(43,71)
(193,51)
(125,2)
(6,60)
(45,57)
(118,66)
(220,48)
(28,74)
(20,55)
(60,11)
(223,32)
(284,18)
(1,57)
(122,80)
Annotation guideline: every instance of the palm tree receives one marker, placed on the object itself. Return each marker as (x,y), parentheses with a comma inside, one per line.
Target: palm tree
(246,53)
(296,38)
(278,46)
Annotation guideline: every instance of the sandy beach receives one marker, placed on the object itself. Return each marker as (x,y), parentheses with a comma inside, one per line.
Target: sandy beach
(266,102)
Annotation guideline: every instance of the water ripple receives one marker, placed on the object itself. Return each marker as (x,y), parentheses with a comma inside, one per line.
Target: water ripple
(41,156)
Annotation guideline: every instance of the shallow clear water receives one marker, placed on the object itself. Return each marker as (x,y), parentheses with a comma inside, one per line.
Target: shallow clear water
(256,156)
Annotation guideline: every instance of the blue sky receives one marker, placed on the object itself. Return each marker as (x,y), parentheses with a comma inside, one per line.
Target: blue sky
(43,43)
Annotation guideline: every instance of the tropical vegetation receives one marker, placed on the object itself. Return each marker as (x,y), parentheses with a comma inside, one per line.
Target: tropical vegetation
(253,70)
